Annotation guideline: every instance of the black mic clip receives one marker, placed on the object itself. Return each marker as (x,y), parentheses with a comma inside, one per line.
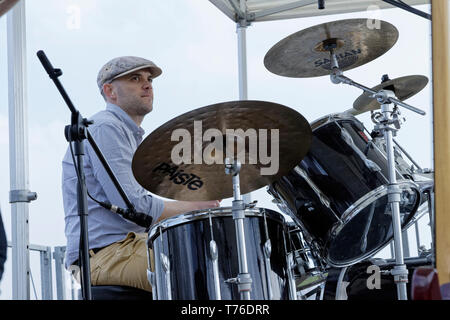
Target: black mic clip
(141,219)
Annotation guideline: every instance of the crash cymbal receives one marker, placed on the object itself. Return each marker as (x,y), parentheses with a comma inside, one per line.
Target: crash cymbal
(403,87)
(306,53)
(203,136)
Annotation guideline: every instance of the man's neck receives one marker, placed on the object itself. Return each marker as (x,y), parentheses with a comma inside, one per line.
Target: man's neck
(137,119)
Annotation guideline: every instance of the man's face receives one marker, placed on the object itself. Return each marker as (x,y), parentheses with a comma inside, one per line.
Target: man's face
(134,93)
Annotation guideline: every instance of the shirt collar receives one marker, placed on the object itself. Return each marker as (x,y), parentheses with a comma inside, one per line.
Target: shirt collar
(122,115)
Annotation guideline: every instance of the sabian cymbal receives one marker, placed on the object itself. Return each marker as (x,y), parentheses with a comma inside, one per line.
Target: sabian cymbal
(306,53)
(203,136)
(403,87)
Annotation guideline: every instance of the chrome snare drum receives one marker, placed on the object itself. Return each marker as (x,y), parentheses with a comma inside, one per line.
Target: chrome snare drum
(194,256)
(338,192)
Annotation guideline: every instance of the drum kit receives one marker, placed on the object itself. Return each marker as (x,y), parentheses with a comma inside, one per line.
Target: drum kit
(344,192)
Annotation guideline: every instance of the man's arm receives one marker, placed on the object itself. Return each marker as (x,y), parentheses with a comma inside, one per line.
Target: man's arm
(112,143)
(173,208)
(118,152)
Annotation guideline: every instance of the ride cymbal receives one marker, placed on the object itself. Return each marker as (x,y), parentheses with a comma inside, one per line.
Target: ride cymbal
(403,87)
(306,53)
(183,159)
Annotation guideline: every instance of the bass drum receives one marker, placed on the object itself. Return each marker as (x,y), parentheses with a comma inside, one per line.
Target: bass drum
(369,280)
(338,194)
(194,256)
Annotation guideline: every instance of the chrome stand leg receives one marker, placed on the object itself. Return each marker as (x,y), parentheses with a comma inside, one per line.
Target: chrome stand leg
(400,272)
(243,280)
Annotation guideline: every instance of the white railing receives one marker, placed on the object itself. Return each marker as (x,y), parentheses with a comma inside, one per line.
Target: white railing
(48,257)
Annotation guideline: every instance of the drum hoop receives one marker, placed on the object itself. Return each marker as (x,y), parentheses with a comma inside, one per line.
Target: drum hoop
(198,215)
(365,200)
(318,123)
(362,203)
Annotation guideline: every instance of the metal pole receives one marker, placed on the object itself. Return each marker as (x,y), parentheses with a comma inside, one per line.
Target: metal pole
(58,255)
(18,151)
(405,240)
(46,274)
(242,66)
(399,271)
(243,280)
(242,59)
(416,228)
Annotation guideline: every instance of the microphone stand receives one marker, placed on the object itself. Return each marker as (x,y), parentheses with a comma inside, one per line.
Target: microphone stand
(77,132)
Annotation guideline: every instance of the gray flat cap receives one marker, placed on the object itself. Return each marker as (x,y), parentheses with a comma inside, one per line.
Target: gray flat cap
(121,66)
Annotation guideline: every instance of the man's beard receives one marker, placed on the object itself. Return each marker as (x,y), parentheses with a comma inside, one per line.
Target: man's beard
(139,107)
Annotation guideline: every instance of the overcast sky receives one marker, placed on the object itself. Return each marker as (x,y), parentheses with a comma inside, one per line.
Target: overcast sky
(195,45)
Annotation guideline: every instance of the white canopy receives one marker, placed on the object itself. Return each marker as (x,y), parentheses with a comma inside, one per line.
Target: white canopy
(264,10)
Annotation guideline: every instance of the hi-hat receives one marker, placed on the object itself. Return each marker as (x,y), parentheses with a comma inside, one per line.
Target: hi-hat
(201,136)
(403,88)
(306,53)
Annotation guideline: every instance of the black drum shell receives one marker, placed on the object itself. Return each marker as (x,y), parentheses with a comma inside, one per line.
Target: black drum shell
(342,167)
(187,246)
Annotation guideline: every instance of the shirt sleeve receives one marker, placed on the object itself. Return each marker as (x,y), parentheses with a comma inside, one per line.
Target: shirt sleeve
(118,152)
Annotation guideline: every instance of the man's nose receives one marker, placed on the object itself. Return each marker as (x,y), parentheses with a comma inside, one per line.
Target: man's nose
(148,84)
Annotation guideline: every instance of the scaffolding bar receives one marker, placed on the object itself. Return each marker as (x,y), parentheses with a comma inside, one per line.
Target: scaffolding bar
(18,149)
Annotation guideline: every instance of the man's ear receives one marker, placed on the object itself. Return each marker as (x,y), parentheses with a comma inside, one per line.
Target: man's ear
(108,90)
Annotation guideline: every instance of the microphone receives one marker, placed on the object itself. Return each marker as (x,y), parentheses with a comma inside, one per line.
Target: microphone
(141,219)
(52,72)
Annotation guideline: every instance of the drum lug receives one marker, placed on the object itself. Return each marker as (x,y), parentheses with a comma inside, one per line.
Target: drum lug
(152,280)
(214,256)
(267,253)
(166,267)
(213,250)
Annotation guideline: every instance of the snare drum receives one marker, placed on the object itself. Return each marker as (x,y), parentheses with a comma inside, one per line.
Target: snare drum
(195,256)
(339,192)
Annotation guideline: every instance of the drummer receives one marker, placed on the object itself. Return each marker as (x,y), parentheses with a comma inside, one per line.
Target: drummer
(117,246)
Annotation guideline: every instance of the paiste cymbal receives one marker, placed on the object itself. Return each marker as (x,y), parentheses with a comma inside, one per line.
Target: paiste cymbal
(203,137)
(403,87)
(304,54)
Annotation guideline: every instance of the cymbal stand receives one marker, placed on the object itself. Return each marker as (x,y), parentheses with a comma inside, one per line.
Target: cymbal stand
(388,122)
(243,280)
(338,77)
(400,272)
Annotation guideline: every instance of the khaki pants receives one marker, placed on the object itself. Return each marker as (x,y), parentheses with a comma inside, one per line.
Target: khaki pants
(122,263)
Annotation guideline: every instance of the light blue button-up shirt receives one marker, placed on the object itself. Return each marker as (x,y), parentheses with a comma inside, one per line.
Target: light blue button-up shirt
(118,137)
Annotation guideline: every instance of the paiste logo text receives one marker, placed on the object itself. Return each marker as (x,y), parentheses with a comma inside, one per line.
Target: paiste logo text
(212,147)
